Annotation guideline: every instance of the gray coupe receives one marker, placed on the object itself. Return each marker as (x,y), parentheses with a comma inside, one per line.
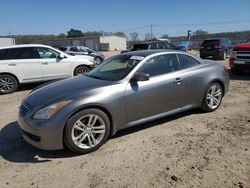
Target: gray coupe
(125,90)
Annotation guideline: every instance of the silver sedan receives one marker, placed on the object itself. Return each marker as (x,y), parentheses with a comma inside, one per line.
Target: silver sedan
(126,90)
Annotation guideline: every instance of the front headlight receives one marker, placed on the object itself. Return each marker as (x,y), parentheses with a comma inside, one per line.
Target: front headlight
(50,111)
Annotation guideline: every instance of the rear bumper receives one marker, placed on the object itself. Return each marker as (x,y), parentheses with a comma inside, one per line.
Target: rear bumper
(214,53)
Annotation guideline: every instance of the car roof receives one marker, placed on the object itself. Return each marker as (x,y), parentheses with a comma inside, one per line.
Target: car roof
(145,53)
(24,45)
(215,39)
(152,42)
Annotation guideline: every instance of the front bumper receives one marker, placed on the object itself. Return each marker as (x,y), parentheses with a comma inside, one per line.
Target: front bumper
(43,134)
(240,64)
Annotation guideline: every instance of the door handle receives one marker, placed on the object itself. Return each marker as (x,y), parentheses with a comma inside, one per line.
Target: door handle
(178,81)
(44,63)
(12,64)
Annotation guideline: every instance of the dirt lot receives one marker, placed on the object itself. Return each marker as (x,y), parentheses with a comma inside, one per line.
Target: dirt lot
(191,149)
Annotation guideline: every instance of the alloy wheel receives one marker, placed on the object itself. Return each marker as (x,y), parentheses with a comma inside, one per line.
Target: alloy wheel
(214,96)
(88,131)
(6,84)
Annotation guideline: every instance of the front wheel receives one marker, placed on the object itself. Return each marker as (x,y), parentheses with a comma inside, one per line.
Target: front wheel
(212,98)
(8,84)
(81,70)
(98,61)
(86,131)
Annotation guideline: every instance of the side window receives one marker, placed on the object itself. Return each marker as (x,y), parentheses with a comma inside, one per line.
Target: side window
(152,46)
(187,61)
(159,65)
(22,53)
(2,54)
(169,46)
(161,46)
(46,53)
(74,49)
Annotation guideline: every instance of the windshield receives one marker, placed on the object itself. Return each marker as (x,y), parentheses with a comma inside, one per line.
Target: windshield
(115,68)
(85,49)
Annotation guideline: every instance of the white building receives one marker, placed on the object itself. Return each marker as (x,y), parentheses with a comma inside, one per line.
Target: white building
(99,43)
(7,41)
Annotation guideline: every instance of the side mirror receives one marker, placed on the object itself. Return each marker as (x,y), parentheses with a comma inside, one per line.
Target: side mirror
(140,76)
(61,56)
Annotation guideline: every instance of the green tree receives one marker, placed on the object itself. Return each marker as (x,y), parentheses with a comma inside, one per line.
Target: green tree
(74,33)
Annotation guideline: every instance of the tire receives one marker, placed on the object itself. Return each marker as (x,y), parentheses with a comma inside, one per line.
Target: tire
(80,131)
(237,71)
(81,70)
(212,97)
(8,84)
(98,60)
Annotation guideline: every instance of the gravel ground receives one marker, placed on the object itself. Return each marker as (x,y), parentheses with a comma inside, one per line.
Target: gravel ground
(191,149)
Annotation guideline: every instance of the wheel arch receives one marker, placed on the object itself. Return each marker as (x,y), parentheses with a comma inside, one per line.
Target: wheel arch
(2,73)
(221,84)
(95,106)
(89,67)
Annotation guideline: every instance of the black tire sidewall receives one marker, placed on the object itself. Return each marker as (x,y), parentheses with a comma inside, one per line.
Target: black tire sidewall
(68,128)
(100,60)
(14,81)
(80,67)
(205,106)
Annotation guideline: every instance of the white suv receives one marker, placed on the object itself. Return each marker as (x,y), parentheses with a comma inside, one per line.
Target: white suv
(33,63)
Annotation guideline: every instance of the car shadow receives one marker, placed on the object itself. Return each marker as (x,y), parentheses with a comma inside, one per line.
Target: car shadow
(14,148)
(157,122)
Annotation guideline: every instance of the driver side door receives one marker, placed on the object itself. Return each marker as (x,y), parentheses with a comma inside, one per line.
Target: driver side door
(52,66)
(163,92)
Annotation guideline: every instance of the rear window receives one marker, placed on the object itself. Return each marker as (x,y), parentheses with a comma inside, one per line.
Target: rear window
(210,42)
(187,61)
(63,49)
(139,47)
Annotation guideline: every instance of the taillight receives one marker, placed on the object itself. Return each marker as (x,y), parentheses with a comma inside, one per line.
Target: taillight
(226,69)
(231,61)
(217,46)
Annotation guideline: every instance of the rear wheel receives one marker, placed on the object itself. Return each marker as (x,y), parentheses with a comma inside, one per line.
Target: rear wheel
(8,84)
(86,131)
(81,70)
(212,98)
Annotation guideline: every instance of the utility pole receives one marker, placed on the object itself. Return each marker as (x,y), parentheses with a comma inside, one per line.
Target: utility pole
(151,32)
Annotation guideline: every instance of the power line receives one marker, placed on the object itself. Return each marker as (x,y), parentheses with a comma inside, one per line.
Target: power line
(185,24)
(205,23)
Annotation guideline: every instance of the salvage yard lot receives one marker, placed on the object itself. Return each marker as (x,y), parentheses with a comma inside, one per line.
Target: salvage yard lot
(191,149)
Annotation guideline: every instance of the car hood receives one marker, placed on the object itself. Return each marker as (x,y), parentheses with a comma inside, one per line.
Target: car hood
(79,57)
(64,88)
(242,46)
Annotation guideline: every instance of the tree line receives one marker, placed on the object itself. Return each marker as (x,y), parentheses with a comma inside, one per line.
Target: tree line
(132,37)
